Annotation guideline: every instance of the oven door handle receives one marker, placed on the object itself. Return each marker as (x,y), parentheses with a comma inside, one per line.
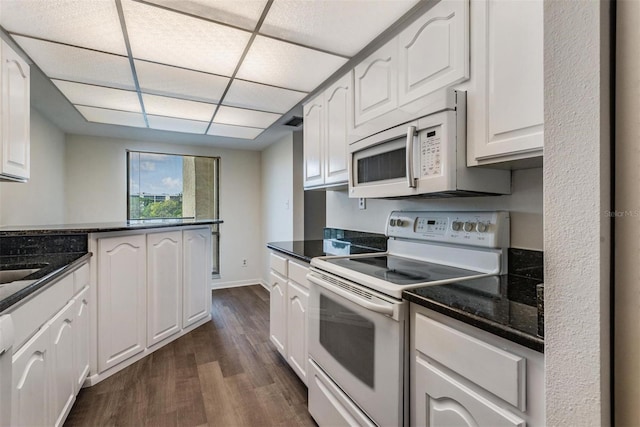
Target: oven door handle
(378,308)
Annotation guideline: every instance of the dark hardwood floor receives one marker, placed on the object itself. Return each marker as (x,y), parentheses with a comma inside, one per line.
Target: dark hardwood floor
(224,373)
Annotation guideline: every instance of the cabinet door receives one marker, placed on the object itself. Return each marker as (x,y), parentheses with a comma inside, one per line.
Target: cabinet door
(297,301)
(441,400)
(62,332)
(505,105)
(122,318)
(197,275)
(376,84)
(164,285)
(313,142)
(82,328)
(278,313)
(31,376)
(15,113)
(336,130)
(434,51)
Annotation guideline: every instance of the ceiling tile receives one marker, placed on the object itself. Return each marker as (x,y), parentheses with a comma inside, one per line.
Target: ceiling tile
(261,97)
(244,14)
(343,27)
(172,81)
(286,65)
(242,117)
(71,63)
(97,96)
(102,115)
(92,24)
(234,131)
(159,35)
(177,125)
(180,108)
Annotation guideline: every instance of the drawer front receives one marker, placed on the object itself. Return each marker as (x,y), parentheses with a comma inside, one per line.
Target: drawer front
(497,371)
(30,316)
(278,264)
(298,273)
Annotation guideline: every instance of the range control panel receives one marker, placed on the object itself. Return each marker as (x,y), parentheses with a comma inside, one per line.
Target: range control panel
(484,229)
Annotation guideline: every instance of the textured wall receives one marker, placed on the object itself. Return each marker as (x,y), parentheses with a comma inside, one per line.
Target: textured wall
(576,228)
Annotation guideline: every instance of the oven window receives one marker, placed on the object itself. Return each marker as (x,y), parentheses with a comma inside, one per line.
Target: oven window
(349,338)
(379,167)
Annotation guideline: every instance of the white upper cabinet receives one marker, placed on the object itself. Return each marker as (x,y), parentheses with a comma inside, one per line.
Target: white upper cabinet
(376,84)
(434,51)
(14,109)
(325,135)
(505,101)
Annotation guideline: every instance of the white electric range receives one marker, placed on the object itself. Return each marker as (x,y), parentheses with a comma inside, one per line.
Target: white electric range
(358,324)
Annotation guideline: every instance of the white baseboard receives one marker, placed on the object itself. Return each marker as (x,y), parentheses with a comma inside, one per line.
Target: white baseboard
(265,285)
(235,284)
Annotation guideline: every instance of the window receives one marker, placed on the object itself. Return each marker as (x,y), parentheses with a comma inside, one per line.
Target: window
(173,186)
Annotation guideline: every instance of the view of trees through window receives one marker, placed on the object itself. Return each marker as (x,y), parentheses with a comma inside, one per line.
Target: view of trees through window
(173,186)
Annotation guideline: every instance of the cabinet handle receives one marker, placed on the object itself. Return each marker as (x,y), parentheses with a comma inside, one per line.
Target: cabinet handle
(411,131)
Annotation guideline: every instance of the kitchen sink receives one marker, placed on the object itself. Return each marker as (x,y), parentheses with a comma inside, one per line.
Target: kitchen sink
(8,276)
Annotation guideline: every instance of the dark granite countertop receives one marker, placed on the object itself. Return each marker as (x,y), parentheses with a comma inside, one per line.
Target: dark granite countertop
(101,227)
(503,305)
(305,250)
(51,267)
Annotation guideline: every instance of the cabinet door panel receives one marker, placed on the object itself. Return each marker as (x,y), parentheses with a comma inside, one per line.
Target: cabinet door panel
(82,329)
(62,330)
(434,51)
(297,301)
(313,137)
(31,372)
(505,107)
(122,277)
(164,285)
(197,275)
(376,84)
(337,103)
(15,113)
(441,400)
(278,313)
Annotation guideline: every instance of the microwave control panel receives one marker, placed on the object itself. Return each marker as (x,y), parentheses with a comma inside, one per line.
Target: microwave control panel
(431,152)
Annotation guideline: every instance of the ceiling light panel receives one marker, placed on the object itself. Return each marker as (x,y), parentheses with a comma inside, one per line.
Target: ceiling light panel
(261,97)
(97,96)
(92,24)
(180,108)
(177,125)
(172,81)
(234,131)
(63,62)
(167,37)
(242,117)
(244,14)
(343,27)
(286,65)
(114,117)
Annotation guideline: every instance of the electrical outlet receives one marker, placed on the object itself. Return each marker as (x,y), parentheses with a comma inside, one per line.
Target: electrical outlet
(244,262)
(362,203)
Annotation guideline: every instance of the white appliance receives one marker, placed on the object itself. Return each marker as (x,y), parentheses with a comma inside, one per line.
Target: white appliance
(425,157)
(358,322)
(6,351)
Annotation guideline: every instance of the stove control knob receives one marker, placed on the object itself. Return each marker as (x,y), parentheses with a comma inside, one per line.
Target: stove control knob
(468,226)
(482,227)
(392,222)
(456,225)
(400,223)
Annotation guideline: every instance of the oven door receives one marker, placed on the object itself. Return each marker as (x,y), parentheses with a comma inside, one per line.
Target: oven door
(357,338)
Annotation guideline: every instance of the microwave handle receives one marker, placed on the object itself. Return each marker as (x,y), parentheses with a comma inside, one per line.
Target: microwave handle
(411,131)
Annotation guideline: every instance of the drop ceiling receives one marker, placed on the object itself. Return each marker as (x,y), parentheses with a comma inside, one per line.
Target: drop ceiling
(217,72)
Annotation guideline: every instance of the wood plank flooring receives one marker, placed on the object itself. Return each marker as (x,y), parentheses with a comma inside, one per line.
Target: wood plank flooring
(224,373)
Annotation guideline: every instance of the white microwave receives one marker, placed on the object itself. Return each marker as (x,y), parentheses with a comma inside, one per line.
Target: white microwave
(425,157)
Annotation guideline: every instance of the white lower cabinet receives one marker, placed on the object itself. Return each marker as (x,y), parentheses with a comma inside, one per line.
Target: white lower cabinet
(49,367)
(288,316)
(164,285)
(463,376)
(197,275)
